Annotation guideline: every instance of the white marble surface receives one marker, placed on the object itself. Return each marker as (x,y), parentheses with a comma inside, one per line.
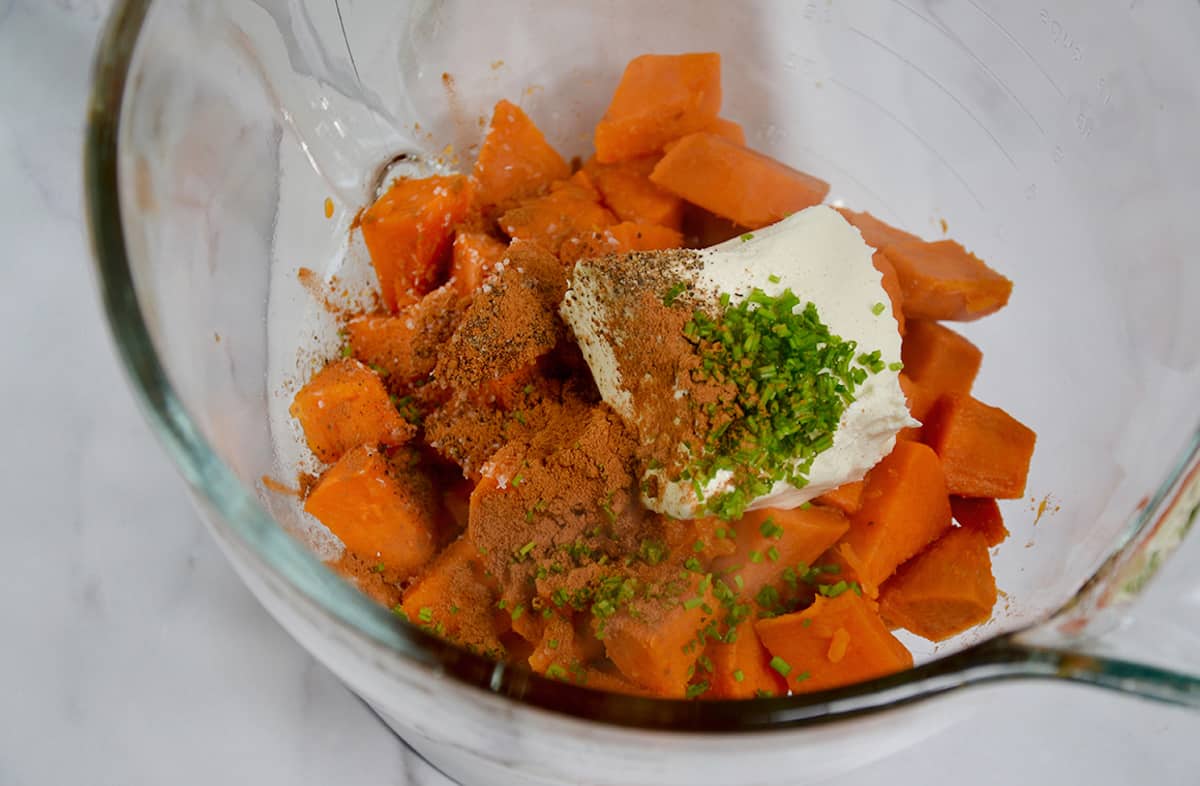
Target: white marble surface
(130,652)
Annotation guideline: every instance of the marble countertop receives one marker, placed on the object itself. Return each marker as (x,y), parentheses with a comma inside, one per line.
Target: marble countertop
(133,655)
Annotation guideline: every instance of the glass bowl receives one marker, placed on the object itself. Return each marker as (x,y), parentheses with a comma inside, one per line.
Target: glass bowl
(1057,141)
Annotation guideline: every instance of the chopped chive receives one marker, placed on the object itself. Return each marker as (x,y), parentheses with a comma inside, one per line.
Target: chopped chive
(738,675)
(696,690)
(773,554)
(774,279)
(747,236)
(897,366)
(552,644)
(780,665)
(692,603)
(877,309)
(673,292)
(425,614)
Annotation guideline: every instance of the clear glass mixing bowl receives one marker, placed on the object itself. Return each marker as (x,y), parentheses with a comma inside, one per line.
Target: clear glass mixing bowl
(1058,140)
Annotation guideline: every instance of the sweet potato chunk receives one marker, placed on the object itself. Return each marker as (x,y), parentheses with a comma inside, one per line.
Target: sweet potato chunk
(379,510)
(509,326)
(891,285)
(515,161)
(702,229)
(659,98)
(454,599)
(474,256)
(657,652)
(943,280)
(772,539)
(876,233)
(939,358)
(981,515)
(732,181)
(346,405)
(905,507)
(627,190)
(569,211)
(741,667)
(617,239)
(405,346)
(944,590)
(833,643)
(727,129)
(408,232)
(985,451)
(847,498)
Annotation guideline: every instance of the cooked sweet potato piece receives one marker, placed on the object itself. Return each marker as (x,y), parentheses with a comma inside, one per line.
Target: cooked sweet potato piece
(944,590)
(627,190)
(938,358)
(659,98)
(904,508)
(453,598)
(515,161)
(847,497)
(981,515)
(741,667)
(876,233)
(379,510)
(657,651)
(617,239)
(920,399)
(569,211)
(727,129)
(408,232)
(474,256)
(772,539)
(891,285)
(942,280)
(985,452)
(405,346)
(833,643)
(735,182)
(346,405)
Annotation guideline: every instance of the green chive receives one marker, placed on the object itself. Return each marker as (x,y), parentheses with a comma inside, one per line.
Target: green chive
(780,665)
(747,236)
(877,309)
(738,675)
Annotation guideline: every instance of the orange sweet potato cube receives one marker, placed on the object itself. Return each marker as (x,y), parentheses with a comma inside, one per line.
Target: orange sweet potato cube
(876,233)
(657,651)
(659,98)
(938,358)
(570,210)
(985,452)
(628,191)
(515,161)
(618,239)
(771,540)
(905,506)
(408,232)
(729,180)
(404,346)
(474,256)
(346,405)
(981,515)
(454,599)
(890,282)
(847,497)
(741,667)
(942,280)
(380,511)
(833,643)
(944,590)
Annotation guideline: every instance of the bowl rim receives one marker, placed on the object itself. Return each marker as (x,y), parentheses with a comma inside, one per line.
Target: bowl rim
(240,514)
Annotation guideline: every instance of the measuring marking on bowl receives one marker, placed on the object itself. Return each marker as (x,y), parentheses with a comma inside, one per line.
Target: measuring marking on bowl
(950,34)
(933,150)
(933,80)
(1017,43)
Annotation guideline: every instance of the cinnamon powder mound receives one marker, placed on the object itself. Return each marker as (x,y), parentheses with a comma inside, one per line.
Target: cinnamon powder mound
(511,322)
(557,517)
(406,346)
